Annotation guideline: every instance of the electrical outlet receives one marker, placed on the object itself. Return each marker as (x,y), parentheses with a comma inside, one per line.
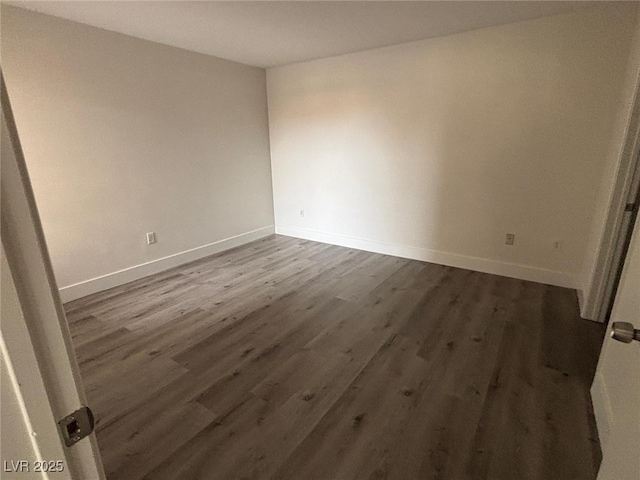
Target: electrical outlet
(302,212)
(510,239)
(557,245)
(151,238)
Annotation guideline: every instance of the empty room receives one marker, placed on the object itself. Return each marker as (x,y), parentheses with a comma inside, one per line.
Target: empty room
(320,240)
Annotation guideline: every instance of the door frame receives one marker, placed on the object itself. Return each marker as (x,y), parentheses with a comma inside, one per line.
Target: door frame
(43,330)
(598,298)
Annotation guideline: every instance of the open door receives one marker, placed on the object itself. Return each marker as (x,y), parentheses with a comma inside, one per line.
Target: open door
(42,435)
(616,387)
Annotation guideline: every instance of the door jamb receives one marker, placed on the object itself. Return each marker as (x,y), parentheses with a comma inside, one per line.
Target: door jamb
(604,275)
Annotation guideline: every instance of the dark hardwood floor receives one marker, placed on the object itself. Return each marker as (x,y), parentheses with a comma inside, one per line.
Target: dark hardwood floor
(290,359)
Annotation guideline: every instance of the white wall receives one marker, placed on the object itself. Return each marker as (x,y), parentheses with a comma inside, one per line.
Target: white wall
(436,149)
(124,136)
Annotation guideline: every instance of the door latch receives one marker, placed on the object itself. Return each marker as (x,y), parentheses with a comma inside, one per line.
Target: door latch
(76,426)
(624,332)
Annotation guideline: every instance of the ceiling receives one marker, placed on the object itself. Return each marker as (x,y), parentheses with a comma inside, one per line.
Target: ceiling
(267,34)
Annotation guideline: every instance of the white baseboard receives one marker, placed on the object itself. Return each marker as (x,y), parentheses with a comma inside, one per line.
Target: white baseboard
(601,409)
(580,293)
(110,280)
(513,270)
(587,312)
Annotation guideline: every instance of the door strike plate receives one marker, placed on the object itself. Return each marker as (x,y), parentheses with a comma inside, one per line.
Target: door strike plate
(76,426)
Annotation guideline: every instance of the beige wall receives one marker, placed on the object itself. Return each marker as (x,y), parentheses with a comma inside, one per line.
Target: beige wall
(124,136)
(436,149)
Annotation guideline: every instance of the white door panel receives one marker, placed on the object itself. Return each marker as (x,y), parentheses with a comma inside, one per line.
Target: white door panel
(616,388)
(38,360)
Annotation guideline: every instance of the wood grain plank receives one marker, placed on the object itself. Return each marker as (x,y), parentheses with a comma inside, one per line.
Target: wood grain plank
(287,358)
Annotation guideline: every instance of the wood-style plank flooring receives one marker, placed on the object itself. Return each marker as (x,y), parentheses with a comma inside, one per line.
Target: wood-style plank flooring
(290,359)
